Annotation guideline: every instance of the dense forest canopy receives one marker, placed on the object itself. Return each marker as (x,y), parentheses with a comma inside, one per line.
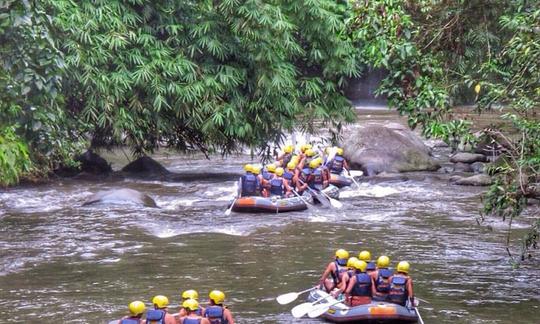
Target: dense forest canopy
(217,75)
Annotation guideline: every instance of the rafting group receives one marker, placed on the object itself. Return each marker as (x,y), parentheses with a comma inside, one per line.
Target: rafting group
(355,289)
(295,180)
(190,311)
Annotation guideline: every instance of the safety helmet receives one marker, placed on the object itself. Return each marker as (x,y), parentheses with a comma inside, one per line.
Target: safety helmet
(136,308)
(271,168)
(248,167)
(305,147)
(217,296)
(279,172)
(255,169)
(190,294)
(383,261)
(339,151)
(291,165)
(351,261)
(310,152)
(160,301)
(288,149)
(360,265)
(314,164)
(364,256)
(190,304)
(403,266)
(342,254)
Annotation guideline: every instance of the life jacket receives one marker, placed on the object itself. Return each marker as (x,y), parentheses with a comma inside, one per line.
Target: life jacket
(316,179)
(130,320)
(191,320)
(362,287)
(155,316)
(286,159)
(250,183)
(304,174)
(382,283)
(277,187)
(371,266)
(267,175)
(398,290)
(215,315)
(341,267)
(336,165)
(288,175)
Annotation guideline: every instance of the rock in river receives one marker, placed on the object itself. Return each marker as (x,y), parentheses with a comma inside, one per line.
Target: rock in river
(464,157)
(121,196)
(475,180)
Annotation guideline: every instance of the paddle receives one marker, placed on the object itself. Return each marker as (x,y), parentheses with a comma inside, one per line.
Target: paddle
(335,203)
(228,211)
(420,320)
(302,309)
(321,309)
(320,198)
(290,297)
(300,196)
(348,175)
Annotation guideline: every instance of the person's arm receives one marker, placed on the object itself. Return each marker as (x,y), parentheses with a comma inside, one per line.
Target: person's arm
(410,289)
(346,166)
(288,188)
(228,316)
(205,321)
(373,289)
(350,287)
(169,319)
(342,286)
(326,273)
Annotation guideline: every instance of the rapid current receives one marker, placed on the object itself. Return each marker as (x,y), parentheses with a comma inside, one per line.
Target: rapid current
(61,262)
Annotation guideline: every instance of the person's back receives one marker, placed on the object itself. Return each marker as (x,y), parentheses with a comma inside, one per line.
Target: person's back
(250,185)
(160,314)
(216,313)
(401,285)
(191,306)
(381,278)
(359,289)
(332,275)
(190,294)
(136,310)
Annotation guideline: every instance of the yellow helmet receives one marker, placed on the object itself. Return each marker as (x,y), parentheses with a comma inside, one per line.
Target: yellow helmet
(288,149)
(217,296)
(136,308)
(305,147)
(255,169)
(383,261)
(295,159)
(342,254)
(160,301)
(279,172)
(364,256)
(351,261)
(190,294)
(248,167)
(291,165)
(271,168)
(403,266)
(360,265)
(339,151)
(310,153)
(190,304)
(314,164)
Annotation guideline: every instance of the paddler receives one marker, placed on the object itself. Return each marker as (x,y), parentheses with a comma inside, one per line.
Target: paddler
(256,170)
(250,185)
(190,294)
(160,312)
(345,277)
(269,171)
(309,155)
(136,310)
(332,275)
(216,312)
(401,286)
(337,164)
(301,179)
(286,156)
(278,186)
(366,257)
(381,278)
(360,287)
(289,174)
(317,179)
(191,306)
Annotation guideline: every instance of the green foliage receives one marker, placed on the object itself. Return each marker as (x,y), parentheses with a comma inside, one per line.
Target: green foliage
(14,160)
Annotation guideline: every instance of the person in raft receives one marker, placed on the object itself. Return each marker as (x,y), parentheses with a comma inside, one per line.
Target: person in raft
(186,295)
(284,158)
(279,187)
(366,257)
(360,287)
(191,306)
(382,278)
(249,183)
(160,312)
(333,274)
(216,312)
(401,286)
(338,163)
(136,310)
(345,277)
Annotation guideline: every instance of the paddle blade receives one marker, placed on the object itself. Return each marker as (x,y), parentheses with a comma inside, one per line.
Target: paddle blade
(355,173)
(287,298)
(336,203)
(318,311)
(301,310)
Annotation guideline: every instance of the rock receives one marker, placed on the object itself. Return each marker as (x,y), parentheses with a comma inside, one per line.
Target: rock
(93,163)
(147,166)
(475,180)
(388,147)
(478,167)
(121,196)
(462,167)
(433,143)
(465,157)
(455,178)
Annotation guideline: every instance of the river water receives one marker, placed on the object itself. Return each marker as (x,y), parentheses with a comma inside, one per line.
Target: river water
(61,262)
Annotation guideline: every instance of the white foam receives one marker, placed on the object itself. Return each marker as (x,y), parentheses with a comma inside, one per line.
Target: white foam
(369,191)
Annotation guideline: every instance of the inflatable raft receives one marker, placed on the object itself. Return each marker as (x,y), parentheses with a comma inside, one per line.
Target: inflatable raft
(255,204)
(332,192)
(339,180)
(379,312)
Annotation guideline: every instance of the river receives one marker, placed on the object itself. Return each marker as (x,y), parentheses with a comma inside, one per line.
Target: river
(61,262)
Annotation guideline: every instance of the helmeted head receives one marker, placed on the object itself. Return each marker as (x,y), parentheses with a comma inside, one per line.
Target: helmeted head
(360,265)
(342,254)
(310,153)
(314,164)
(190,304)
(339,151)
(136,308)
(279,172)
(288,149)
(255,169)
(295,159)
(351,261)
(190,294)
(291,166)
(160,301)
(271,168)
(248,167)
(383,261)
(217,296)
(364,256)
(305,147)
(403,266)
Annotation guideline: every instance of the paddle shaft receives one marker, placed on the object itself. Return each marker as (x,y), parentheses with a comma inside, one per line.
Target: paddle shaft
(318,311)
(299,196)
(315,193)
(352,178)
(420,320)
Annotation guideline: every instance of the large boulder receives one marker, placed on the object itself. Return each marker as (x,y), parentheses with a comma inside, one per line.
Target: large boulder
(388,147)
(464,157)
(145,166)
(93,163)
(121,196)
